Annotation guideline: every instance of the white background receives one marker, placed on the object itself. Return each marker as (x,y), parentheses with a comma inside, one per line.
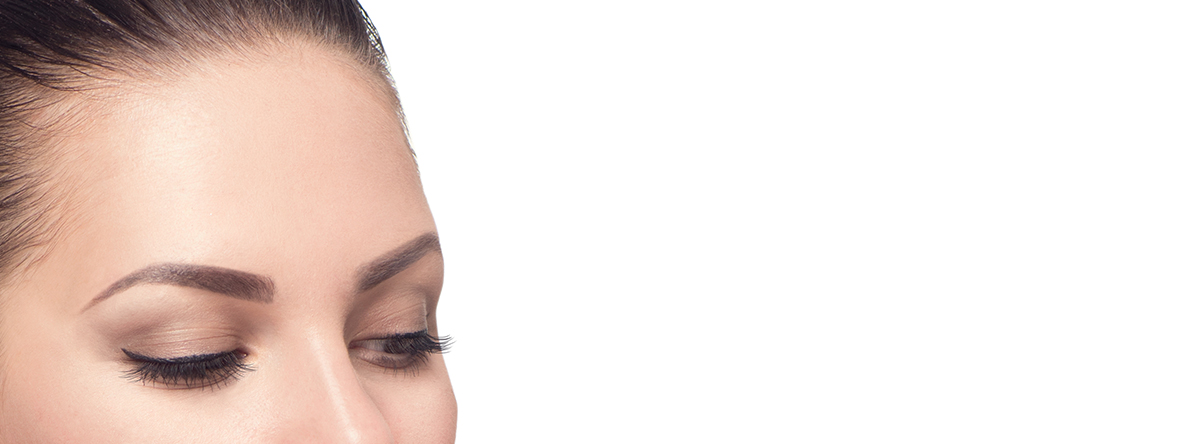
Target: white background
(826,221)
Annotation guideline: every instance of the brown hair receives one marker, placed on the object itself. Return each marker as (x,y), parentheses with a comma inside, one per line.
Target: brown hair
(52,50)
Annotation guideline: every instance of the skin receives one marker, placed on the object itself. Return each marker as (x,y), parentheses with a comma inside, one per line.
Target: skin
(292,167)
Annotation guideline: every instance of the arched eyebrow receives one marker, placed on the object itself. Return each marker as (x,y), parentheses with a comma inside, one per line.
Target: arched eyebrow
(232,283)
(257,288)
(393,262)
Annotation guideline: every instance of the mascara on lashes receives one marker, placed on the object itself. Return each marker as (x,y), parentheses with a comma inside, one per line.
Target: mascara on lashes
(188,372)
(402,351)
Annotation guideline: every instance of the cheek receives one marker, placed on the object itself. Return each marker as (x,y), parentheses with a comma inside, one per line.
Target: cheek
(421,409)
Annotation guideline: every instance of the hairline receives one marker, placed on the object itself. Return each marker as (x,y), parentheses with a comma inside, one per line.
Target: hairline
(107,88)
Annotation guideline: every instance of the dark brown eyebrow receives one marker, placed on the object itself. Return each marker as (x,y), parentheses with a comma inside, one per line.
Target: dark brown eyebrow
(257,288)
(232,283)
(392,263)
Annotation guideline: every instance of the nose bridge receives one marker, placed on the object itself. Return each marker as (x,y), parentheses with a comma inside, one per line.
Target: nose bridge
(335,405)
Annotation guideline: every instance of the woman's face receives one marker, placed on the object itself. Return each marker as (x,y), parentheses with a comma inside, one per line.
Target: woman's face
(244,255)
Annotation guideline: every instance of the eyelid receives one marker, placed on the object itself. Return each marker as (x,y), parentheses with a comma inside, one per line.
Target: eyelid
(178,360)
(187,372)
(378,345)
(403,351)
(421,336)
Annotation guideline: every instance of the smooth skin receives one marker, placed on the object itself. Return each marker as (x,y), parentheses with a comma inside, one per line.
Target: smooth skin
(290,165)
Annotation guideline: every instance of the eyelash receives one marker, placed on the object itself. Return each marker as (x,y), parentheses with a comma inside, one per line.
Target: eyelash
(188,372)
(403,351)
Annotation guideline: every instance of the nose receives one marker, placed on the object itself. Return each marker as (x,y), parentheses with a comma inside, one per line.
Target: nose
(326,402)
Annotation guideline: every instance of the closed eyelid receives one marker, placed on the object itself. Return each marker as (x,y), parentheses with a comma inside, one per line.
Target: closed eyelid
(419,341)
(187,372)
(406,352)
(177,360)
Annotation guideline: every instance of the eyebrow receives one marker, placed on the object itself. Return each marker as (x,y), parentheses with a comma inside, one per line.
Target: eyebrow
(257,288)
(392,263)
(232,283)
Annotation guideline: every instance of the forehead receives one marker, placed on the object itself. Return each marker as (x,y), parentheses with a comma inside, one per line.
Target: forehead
(241,163)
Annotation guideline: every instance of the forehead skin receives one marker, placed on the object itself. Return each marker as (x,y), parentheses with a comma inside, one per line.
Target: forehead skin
(292,166)
(300,152)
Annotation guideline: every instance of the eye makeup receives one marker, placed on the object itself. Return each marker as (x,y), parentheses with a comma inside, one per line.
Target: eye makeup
(175,338)
(187,372)
(405,352)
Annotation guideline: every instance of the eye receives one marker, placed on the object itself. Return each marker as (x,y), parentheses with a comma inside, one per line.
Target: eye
(188,372)
(402,351)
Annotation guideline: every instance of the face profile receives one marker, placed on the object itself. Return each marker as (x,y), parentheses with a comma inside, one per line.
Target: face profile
(227,244)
